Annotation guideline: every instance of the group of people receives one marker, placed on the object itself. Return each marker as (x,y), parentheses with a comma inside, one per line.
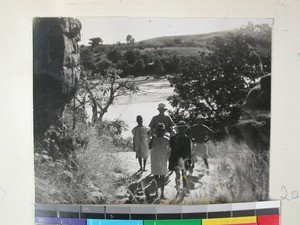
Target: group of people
(171,147)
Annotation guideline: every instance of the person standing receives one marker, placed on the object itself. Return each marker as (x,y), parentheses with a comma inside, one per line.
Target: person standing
(199,134)
(162,118)
(160,152)
(140,142)
(180,159)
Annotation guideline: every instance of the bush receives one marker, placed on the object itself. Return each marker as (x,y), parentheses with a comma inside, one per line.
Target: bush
(239,176)
(88,177)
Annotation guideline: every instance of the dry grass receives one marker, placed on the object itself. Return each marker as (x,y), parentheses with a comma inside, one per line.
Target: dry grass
(237,175)
(90,182)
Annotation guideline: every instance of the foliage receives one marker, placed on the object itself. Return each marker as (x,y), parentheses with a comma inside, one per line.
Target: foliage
(128,58)
(87,177)
(129,39)
(115,55)
(101,66)
(237,174)
(138,67)
(131,55)
(112,130)
(102,90)
(95,41)
(216,83)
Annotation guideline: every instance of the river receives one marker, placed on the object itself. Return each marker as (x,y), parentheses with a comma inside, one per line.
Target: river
(152,92)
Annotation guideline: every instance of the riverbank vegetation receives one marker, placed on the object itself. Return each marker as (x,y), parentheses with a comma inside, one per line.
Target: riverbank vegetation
(211,74)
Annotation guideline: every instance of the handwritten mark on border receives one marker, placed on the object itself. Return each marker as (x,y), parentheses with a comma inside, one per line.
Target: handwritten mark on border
(289,195)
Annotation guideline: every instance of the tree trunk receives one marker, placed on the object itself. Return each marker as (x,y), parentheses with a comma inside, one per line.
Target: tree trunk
(95,112)
(74,114)
(104,110)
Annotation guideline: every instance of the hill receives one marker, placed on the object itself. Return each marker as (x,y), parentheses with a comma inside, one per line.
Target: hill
(184,40)
(162,55)
(184,45)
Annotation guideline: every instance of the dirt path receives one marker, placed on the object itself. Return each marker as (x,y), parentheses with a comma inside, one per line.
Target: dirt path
(137,187)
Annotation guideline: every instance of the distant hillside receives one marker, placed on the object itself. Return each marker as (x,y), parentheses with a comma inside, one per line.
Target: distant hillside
(178,51)
(161,55)
(184,45)
(184,40)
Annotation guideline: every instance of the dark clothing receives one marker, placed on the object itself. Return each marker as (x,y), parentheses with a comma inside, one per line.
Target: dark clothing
(180,148)
(165,119)
(199,133)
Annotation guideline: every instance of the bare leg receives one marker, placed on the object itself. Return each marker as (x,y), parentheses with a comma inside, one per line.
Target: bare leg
(162,180)
(140,162)
(177,179)
(206,163)
(156,177)
(184,178)
(144,165)
(185,181)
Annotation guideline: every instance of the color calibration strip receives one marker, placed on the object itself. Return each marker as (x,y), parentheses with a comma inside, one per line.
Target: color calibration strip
(250,213)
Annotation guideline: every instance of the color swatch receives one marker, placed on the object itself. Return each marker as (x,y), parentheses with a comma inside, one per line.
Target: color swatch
(249,213)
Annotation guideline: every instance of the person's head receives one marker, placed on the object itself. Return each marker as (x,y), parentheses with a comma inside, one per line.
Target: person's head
(161,108)
(200,119)
(182,127)
(160,129)
(139,120)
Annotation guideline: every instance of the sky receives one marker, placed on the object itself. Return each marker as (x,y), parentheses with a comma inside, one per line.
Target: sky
(116,29)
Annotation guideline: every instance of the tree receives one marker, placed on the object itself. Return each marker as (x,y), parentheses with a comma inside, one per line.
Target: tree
(158,66)
(102,65)
(102,90)
(124,66)
(86,57)
(138,67)
(115,55)
(215,84)
(95,41)
(132,55)
(129,39)
(170,64)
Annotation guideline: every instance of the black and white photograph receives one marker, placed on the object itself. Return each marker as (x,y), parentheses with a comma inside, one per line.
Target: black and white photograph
(136,110)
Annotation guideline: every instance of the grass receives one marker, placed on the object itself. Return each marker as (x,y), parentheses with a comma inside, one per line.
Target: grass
(179,51)
(197,38)
(238,175)
(91,181)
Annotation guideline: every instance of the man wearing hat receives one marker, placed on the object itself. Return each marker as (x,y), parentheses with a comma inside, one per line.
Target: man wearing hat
(180,158)
(161,118)
(200,133)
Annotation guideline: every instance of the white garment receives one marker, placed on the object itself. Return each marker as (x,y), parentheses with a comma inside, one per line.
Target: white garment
(160,154)
(140,141)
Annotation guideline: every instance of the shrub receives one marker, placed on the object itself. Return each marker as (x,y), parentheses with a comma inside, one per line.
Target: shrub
(239,176)
(88,177)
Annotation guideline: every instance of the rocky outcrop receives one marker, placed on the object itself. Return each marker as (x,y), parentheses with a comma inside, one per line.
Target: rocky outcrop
(258,101)
(255,120)
(255,129)
(56,69)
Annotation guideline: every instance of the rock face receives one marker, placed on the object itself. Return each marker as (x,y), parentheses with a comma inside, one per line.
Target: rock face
(258,100)
(255,120)
(56,69)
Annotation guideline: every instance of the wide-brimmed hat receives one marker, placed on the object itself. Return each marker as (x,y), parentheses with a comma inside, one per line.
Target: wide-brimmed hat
(139,118)
(200,117)
(162,106)
(181,124)
(160,126)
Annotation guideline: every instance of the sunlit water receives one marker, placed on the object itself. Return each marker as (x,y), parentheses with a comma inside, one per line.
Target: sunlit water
(145,104)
